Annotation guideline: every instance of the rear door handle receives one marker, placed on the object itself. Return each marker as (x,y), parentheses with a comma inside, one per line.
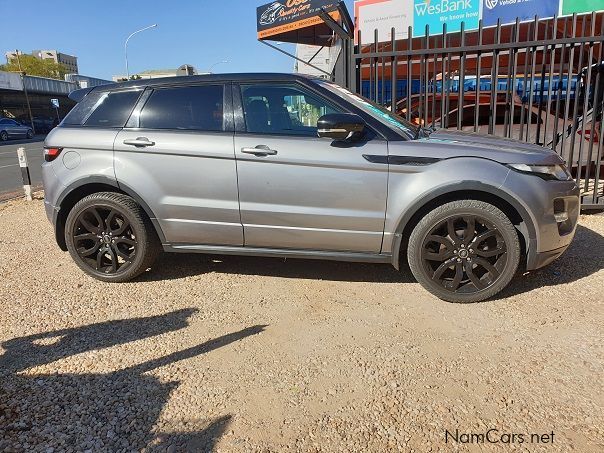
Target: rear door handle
(259,151)
(140,142)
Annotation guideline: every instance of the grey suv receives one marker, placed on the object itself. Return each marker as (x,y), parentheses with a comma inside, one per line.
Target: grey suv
(291,166)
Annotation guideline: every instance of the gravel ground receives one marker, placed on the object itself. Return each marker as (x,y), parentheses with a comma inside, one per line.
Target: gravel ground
(241,354)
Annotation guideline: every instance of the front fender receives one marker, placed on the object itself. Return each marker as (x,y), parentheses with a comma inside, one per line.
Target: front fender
(410,192)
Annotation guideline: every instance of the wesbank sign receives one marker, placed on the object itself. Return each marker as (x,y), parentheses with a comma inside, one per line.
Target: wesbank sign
(399,14)
(435,13)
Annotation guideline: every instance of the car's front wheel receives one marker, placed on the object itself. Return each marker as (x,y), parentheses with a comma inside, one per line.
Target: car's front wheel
(3,136)
(110,237)
(464,251)
(30,134)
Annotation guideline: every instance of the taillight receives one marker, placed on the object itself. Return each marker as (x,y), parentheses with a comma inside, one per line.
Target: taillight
(51,154)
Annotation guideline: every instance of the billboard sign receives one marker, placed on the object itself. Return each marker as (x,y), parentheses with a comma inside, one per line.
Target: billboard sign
(509,10)
(581,6)
(281,16)
(435,13)
(382,15)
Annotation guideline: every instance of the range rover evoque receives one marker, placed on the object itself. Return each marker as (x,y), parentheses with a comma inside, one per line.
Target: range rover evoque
(294,166)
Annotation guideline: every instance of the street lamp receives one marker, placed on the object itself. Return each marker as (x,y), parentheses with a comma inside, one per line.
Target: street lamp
(126,46)
(214,64)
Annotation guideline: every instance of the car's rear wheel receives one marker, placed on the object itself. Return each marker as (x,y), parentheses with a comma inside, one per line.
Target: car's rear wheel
(110,237)
(464,251)
(30,134)
(3,136)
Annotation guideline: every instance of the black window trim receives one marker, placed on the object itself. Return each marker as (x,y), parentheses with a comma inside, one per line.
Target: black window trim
(133,123)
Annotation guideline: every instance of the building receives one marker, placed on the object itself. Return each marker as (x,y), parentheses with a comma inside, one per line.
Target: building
(69,61)
(185,69)
(40,92)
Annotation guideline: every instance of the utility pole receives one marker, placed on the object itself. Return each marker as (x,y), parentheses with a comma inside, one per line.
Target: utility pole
(31,118)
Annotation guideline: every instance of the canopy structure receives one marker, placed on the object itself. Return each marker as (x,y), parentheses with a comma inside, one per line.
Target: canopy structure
(323,23)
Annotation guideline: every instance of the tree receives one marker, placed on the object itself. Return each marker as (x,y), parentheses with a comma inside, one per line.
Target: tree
(35,67)
(132,77)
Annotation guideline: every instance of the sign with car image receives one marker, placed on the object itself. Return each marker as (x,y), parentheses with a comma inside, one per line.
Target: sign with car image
(281,16)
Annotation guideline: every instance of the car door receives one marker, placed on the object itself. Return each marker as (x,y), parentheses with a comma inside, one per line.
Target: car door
(176,152)
(299,191)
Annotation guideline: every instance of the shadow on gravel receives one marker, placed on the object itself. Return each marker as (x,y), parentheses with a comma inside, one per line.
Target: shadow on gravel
(100,412)
(584,257)
(171,266)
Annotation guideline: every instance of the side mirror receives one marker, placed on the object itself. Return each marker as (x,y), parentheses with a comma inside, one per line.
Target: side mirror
(340,126)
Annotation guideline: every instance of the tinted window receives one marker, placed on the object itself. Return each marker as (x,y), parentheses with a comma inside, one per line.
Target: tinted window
(9,122)
(282,109)
(78,114)
(186,108)
(113,109)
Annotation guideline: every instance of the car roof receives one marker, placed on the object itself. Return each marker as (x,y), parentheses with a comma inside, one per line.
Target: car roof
(180,80)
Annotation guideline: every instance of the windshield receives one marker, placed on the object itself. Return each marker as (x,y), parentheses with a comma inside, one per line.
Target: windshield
(384,115)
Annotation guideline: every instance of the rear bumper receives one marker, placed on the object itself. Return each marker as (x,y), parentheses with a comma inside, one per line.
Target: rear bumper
(51,211)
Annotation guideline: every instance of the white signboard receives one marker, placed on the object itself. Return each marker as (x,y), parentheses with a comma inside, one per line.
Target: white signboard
(54,103)
(383,15)
(10,81)
(324,59)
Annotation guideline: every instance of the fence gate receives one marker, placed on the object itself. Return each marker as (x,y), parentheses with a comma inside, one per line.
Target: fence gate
(540,82)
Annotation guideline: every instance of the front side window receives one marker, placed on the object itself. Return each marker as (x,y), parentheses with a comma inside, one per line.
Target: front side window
(185,108)
(382,114)
(113,109)
(282,109)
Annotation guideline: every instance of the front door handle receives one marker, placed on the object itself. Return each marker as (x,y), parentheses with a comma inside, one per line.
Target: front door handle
(259,151)
(139,142)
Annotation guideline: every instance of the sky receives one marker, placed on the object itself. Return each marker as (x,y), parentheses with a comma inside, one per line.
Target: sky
(197,32)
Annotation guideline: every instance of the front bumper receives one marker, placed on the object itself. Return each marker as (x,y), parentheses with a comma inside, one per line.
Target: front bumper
(556,206)
(544,258)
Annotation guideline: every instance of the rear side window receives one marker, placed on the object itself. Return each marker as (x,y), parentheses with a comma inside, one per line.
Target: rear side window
(113,109)
(185,108)
(78,114)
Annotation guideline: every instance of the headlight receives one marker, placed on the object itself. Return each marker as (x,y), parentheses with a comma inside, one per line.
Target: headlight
(557,172)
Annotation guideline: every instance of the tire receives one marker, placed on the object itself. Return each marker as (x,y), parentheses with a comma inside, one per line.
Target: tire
(110,237)
(464,251)
(3,136)
(30,134)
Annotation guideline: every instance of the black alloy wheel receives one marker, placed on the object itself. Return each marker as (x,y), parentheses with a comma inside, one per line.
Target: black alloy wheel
(104,239)
(464,254)
(3,136)
(464,251)
(110,237)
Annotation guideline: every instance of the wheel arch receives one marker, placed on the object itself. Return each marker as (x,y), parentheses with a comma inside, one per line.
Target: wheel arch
(87,186)
(515,211)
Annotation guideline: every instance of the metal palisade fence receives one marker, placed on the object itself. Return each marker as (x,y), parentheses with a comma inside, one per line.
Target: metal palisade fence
(540,81)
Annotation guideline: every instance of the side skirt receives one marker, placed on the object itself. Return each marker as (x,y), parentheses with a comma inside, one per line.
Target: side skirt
(279,253)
